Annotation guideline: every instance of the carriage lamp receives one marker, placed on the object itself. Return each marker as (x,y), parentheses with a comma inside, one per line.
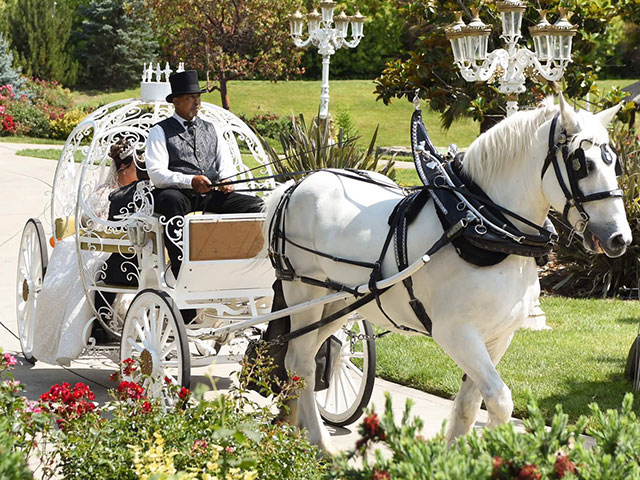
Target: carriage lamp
(327,32)
(511,65)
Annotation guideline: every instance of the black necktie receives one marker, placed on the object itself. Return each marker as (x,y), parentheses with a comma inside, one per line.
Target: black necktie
(190,126)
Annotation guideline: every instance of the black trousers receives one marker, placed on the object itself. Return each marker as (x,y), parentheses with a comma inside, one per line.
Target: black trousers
(171,202)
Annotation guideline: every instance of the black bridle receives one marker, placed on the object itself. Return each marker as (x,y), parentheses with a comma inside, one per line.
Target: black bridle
(577,168)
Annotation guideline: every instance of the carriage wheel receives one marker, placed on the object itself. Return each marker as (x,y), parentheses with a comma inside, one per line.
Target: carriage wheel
(32,265)
(632,370)
(351,382)
(154,336)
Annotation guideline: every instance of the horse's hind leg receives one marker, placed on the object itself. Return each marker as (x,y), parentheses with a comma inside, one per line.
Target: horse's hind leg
(300,360)
(468,350)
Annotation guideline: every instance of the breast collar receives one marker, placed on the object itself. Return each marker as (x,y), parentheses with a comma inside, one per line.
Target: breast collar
(577,169)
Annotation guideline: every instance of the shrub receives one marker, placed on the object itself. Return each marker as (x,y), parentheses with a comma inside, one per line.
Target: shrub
(227,438)
(557,451)
(29,119)
(49,96)
(20,421)
(269,125)
(61,128)
(314,147)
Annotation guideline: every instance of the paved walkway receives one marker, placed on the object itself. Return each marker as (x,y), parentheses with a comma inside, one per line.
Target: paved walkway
(24,193)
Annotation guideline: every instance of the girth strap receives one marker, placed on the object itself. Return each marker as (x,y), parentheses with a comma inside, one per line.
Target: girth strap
(408,210)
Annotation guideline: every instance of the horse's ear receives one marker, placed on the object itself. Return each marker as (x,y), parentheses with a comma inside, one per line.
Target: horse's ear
(568,116)
(606,116)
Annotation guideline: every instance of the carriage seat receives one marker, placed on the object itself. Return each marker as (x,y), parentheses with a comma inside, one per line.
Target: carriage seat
(108,242)
(224,237)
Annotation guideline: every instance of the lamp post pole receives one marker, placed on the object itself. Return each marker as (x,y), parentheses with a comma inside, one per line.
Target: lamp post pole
(511,65)
(328,34)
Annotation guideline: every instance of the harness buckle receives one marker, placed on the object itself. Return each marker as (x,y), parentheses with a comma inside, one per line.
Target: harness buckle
(456,228)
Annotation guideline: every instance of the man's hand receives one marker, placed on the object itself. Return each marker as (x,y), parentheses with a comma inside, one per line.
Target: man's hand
(227,188)
(201,184)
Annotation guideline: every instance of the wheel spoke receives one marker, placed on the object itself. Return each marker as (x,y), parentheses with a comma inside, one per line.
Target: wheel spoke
(168,349)
(343,389)
(153,324)
(141,333)
(349,380)
(145,318)
(135,344)
(353,368)
(166,333)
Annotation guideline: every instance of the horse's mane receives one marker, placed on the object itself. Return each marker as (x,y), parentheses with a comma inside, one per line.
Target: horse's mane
(508,142)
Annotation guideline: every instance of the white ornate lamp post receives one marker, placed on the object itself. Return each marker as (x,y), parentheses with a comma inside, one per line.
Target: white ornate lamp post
(510,65)
(328,34)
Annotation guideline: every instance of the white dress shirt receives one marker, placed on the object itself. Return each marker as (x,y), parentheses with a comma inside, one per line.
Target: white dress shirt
(157,160)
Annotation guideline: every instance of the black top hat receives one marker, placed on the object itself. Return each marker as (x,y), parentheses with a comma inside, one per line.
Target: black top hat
(183,83)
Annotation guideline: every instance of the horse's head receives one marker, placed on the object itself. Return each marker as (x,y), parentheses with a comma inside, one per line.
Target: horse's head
(585,187)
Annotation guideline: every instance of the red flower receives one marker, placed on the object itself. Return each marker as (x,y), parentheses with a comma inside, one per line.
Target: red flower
(130,390)
(129,366)
(295,378)
(146,407)
(380,475)
(167,380)
(184,393)
(564,465)
(68,403)
(529,472)
(8,124)
(200,445)
(114,377)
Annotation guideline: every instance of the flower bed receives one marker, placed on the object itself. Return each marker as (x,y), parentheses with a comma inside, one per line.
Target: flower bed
(231,438)
(40,109)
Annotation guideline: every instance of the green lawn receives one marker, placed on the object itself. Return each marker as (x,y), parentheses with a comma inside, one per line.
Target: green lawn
(579,361)
(356,96)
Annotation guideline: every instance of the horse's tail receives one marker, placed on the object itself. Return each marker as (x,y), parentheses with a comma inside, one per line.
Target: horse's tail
(271,202)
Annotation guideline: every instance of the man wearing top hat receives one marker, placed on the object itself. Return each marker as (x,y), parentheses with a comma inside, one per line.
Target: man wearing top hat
(185,157)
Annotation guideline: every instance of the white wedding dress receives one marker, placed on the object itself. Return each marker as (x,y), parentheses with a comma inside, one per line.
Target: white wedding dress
(63,315)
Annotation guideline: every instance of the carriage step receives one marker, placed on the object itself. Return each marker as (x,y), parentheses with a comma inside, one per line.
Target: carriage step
(103,287)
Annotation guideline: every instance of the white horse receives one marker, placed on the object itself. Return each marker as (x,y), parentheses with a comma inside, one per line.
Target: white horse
(474,310)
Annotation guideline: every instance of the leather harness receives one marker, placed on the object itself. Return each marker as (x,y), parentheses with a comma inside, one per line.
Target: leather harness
(478,228)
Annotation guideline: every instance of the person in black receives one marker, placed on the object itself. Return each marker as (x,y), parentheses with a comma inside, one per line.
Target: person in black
(117,269)
(185,158)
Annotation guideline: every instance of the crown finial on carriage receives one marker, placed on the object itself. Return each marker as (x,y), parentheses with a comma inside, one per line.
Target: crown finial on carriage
(156,89)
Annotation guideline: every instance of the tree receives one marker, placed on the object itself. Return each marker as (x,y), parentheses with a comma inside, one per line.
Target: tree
(114,39)
(40,34)
(229,39)
(430,68)
(381,42)
(9,75)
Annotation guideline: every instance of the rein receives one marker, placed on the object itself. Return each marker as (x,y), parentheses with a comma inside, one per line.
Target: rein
(576,167)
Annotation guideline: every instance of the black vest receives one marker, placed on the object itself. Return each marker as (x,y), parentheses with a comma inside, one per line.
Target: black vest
(186,157)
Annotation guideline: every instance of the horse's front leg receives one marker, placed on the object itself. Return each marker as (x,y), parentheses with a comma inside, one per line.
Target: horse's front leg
(468,400)
(465,346)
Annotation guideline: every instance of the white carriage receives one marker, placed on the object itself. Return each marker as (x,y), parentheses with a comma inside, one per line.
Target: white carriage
(219,276)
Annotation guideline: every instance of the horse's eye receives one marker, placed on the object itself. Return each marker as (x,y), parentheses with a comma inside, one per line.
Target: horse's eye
(608,154)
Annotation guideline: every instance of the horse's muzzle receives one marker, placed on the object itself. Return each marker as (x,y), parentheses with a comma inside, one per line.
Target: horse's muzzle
(614,246)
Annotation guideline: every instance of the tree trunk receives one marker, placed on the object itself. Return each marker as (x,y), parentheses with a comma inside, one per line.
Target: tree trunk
(224,93)
(490,119)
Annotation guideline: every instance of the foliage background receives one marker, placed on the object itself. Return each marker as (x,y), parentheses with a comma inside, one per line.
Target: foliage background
(430,68)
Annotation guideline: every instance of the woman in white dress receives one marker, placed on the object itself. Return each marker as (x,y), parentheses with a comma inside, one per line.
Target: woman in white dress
(62,313)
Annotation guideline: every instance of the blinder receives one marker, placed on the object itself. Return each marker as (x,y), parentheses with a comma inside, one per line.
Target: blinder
(577,168)
(580,167)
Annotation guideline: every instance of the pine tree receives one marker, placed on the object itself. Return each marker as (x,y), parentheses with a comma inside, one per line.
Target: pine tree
(114,40)
(8,74)
(40,34)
